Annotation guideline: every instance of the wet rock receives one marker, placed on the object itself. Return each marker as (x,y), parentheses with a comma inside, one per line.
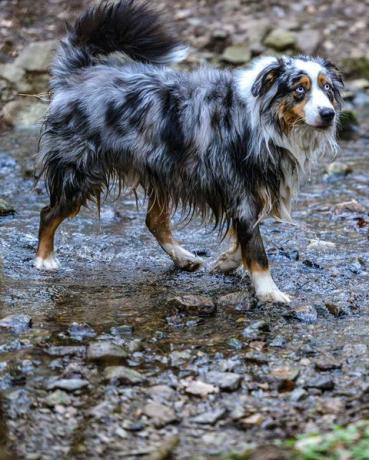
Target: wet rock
(67,384)
(210,417)
(161,415)
(123,330)
(257,357)
(19,403)
(6,209)
(321,382)
(199,388)
(105,352)
(278,342)
(24,114)
(236,54)
(256,330)
(320,245)
(178,358)
(58,397)
(307,41)
(80,331)
(298,394)
(135,345)
(235,343)
(124,375)
(130,425)
(193,305)
(305,314)
(280,40)
(348,126)
(37,56)
(66,350)
(224,380)
(338,168)
(327,363)
(16,323)
(239,300)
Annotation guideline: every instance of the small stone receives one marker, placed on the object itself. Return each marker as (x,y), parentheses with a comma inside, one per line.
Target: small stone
(321,382)
(235,343)
(16,323)
(199,388)
(278,342)
(255,419)
(348,207)
(129,425)
(37,56)
(358,84)
(58,397)
(338,168)
(331,406)
(210,417)
(285,373)
(354,349)
(238,300)
(67,384)
(6,209)
(106,352)
(320,245)
(224,380)
(66,350)
(123,330)
(327,364)
(257,357)
(236,54)
(255,330)
(161,415)
(305,314)
(24,114)
(280,40)
(80,331)
(178,358)
(122,374)
(193,305)
(15,76)
(298,394)
(307,41)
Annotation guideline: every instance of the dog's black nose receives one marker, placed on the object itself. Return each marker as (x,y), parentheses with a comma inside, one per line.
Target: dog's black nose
(326,114)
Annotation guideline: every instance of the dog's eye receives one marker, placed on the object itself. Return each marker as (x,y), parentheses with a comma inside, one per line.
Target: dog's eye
(300,90)
(327,86)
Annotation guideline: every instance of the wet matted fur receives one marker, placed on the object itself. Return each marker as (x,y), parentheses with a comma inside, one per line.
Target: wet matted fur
(228,145)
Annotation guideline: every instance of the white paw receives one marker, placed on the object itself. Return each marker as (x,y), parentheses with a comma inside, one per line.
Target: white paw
(50,263)
(275,296)
(189,263)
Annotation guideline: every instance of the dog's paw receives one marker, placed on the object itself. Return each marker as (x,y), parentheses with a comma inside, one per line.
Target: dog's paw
(274,296)
(50,263)
(189,263)
(225,264)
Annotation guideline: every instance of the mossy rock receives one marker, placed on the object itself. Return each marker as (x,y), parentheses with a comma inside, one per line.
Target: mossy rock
(356,67)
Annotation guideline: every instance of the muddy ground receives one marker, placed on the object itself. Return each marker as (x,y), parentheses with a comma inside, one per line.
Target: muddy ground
(100,362)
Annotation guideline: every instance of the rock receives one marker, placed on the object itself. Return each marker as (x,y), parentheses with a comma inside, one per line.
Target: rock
(305,314)
(285,373)
(255,330)
(66,350)
(5,208)
(255,419)
(358,84)
(256,31)
(331,406)
(166,449)
(238,300)
(37,56)
(338,168)
(58,397)
(354,349)
(122,374)
(320,245)
(210,417)
(193,305)
(160,414)
(123,330)
(348,126)
(327,363)
(307,41)
(257,357)
(280,40)
(337,309)
(348,206)
(235,343)
(278,342)
(321,382)
(105,352)
(80,331)
(298,394)
(236,54)
(178,358)
(361,100)
(67,384)
(135,345)
(224,380)
(15,77)
(129,425)
(24,114)
(199,388)
(161,393)
(16,323)
(356,66)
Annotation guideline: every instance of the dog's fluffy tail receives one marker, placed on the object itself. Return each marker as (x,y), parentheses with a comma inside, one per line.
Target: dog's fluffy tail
(130,27)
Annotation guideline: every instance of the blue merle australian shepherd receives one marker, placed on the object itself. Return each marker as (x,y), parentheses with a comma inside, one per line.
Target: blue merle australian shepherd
(229,145)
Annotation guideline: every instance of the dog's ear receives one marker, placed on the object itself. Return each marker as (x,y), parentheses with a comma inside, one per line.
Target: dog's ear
(264,81)
(334,72)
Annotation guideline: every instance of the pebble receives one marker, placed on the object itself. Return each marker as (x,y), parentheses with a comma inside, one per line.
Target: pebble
(280,39)
(305,314)
(160,414)
(255,419)
(123,330)
(278,342)
(285,373)
(237,300)
(321,245)
(338,168)
(58,397)
(105,351)
(122,374)
(193,305)
(199,388)
(298,394)
(210,417)
(80,331)
(16,323)
(321,382)
(67,384)
(236,54)
(235,343)
(6,209)
(256,330)
(327,364)
(257,357)
(224,380)
(66,350)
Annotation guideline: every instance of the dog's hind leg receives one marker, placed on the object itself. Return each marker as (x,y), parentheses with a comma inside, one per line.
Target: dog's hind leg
(158,222)
(50,219)
(230,260)
(256,261)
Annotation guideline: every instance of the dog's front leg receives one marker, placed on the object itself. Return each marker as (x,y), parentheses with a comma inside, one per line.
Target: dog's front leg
(256,261)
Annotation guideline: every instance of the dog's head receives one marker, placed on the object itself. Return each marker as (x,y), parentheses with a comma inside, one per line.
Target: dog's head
(299,92)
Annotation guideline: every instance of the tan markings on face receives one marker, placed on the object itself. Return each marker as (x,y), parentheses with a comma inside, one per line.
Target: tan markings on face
(291,109)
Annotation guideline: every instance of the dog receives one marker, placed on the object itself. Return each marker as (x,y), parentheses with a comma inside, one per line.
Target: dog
(230,145)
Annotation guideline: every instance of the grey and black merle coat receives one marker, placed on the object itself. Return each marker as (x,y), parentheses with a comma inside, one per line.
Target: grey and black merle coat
(187,138)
